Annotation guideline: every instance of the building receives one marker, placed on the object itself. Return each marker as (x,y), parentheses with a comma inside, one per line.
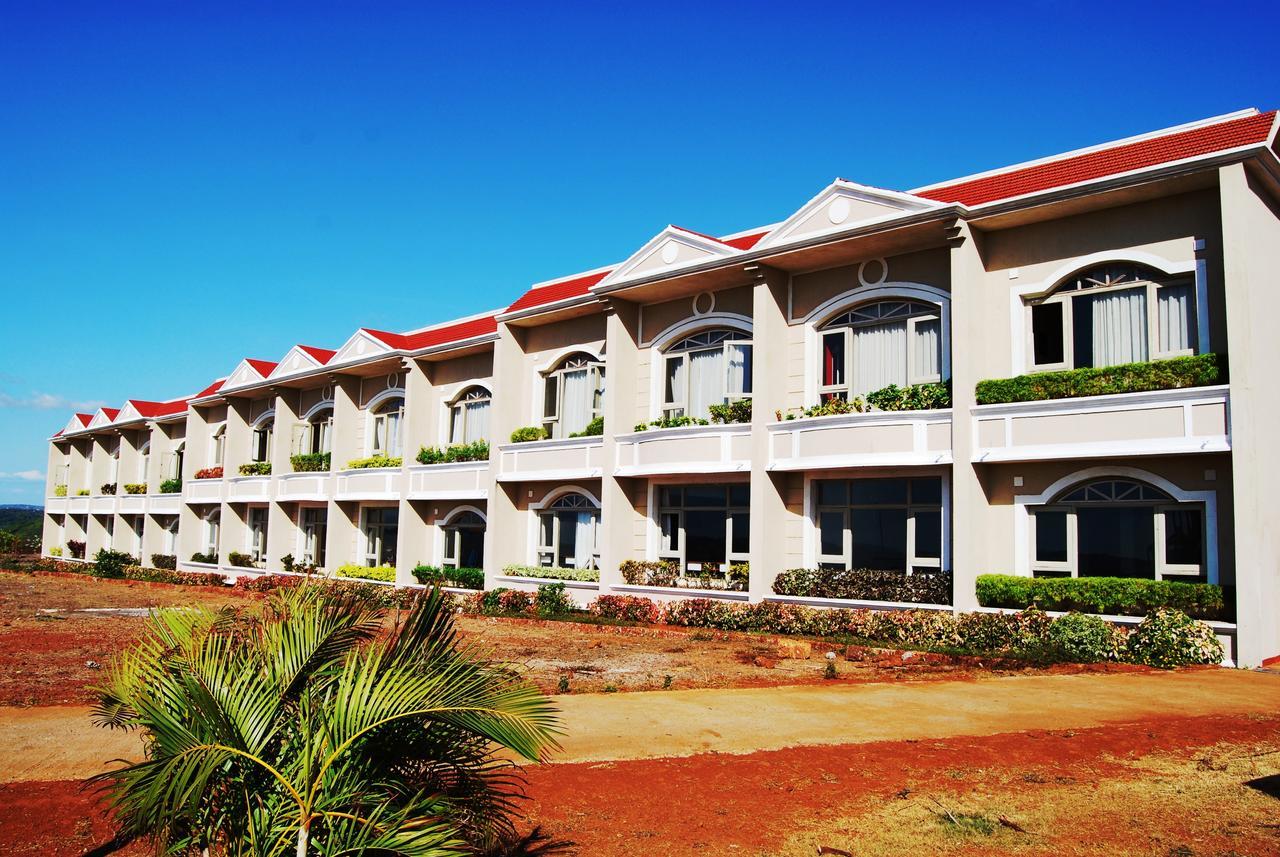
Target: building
(1154,247)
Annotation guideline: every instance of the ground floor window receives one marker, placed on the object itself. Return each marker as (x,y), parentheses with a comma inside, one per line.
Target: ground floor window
(258,533)
(381,529)
(212,528)
(464,541)
(135,523)
(890,524)
(702,524)
(1118,528)
(170,525)
(567,533)
(314,532)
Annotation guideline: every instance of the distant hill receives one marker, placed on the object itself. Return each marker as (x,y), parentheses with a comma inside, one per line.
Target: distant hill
(22,521)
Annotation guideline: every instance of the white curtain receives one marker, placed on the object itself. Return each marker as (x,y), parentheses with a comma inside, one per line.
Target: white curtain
(393,433)
(477,421)
(455,424)
(575,410)
(739,381)
(1119,327)
(1174,310)
(925,353)
(879,357)
(706,381)
(675,391)
(584,541)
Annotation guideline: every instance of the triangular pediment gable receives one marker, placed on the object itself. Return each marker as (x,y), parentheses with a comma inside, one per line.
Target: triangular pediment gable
(671,249)
(244,375)
(102,419)
(362,345)
(295,362)
(78,422)
(129,413)
(843,205)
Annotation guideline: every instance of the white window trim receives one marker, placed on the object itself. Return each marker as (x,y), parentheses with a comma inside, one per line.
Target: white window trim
(446,525)
(304,532)
(370,551)
(679,556)
(265,423)
(372,416)
(255,540)
(913,561)
(535,522)
(459,401)
(218,445)
(674,333)
(668,408)
(595,371)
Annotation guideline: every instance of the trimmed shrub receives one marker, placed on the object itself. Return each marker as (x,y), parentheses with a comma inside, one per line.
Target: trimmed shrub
(498,601)
(209,473)
(463,578)
(731,412)
(171,486)
(1124,596)
(552,600)
(1197,371)
(832,407)
(662,572)
(1170,638)
(76,547)
(135,488)
(256,468)
(59,490)
(83,492)
(55,551)
(543,572)
(672,422)
(374,461)
(206,558)
(109,563)
(865,585)
(311,462)
(1085,639)
(666,573)
(627,608)
(240,560)
(108,488)
(526,434)
(916,397)
(386,573)
(164,561)
(178,578)
(477,451)
(370,593)
(595,428)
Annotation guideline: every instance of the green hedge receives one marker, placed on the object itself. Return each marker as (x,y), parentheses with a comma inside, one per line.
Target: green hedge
(385,573)
(731,412)
(589,575)
(135,488)
(1117,596)
(525,434)
(595,428)
(1198,371)
(864,584)
(374,461)
(171,486)
(477,451)
(463,578)
(311,462)
(255,468)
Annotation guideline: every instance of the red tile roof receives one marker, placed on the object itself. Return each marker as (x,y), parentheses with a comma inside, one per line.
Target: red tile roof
(111,413)
(457,332)
(322,355)
(1109,161)
(746,242)
(563,290)
(84,419)
(262,367)
(150,410)
(211,389)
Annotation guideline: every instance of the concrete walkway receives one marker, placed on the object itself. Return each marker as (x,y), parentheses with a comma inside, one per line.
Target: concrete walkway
(60,743)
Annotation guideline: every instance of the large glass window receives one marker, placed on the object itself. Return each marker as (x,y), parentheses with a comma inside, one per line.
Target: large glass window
(1118,528)
(469,416)
(892,524)
(170,525)
(464,541)
(1111,315)
(708,368)
(258,534)
(314,533)
(388,417)
(877,344)
(319,432)
(263,433)
(568,532)
(135,523)
(572,395)
(702,524)
(381,529)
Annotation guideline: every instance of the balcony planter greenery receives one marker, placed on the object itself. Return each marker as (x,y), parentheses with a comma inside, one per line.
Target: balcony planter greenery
(241,560)
(206,558)
(135,488)
(666,573)
(256,468)
(671,422)
(916,397)
(864,584)
(544,572)
(595,428)
(529,433)
(374,462)
(171,486)
(83,492)
(731,412)
(166,561)
(108,488)
(1177,373)
(385,573)
(311,462)
(59,490)
(477,451)
(463,578)
(209,473)
(1117,596)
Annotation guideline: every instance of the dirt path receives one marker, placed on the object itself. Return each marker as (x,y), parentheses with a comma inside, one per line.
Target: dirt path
(54,743)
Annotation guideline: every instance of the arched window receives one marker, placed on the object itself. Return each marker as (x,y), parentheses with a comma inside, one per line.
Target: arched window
(567,531)
(219,447)
(708,368)
(469,416)
(171,535)
(144,460)
(113,468)
(1111,315)
(877,344)
(572,394)
(1118,528)
(464,541)
(316,435)
(212,530)
(388,417)
(263,433)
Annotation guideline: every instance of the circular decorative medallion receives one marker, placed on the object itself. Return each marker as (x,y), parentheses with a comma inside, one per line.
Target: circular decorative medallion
(670,251)
(838,211)
(873,265)
(393,381)
(698,299)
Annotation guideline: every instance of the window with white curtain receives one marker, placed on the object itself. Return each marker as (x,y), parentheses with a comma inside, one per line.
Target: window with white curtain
(1118,528)
(464,541)
(567,533)
(171,536)
(572,394)
(219,445)
(319,432)
(710,367)
(469,416)
(144,460)
(388,417)
(262,437)
(113,474)
(881,343)
(1111,315)
(258,533)
(314,533)
(381,530)
(702,524)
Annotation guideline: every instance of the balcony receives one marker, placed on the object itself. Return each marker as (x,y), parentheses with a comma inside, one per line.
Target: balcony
(248,489)
(56,505)
(203,490)
(372,483)
(164,504)
(688,449)
(103,504)
(131,504)
(561,459)
(309,485)
(78,505)
(1162,422)
(461,480)
(877,439)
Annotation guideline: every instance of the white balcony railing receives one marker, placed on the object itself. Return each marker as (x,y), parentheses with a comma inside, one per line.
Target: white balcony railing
(460,480)
(688,449)
(204,490)
(879,438)
(373,483)
(561,459)
(248,489)
(1161,422)
(314,485)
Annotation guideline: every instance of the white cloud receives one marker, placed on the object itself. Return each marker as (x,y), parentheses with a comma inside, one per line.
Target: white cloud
(47,402)
(24,476)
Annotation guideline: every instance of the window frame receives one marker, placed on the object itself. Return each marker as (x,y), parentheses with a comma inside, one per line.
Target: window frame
(572,363)
(552,510)
(262,441)
(375,535)
(451,531)
(458,410)
(314,529)
(682,350)
(218,446)
(913,509)
(381,414)
(679,554)
(839,326)
(257,521)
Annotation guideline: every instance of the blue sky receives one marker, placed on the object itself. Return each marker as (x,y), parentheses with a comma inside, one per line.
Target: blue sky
(171,176)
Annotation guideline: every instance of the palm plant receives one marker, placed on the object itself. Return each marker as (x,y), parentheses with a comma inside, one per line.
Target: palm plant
(307,730)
